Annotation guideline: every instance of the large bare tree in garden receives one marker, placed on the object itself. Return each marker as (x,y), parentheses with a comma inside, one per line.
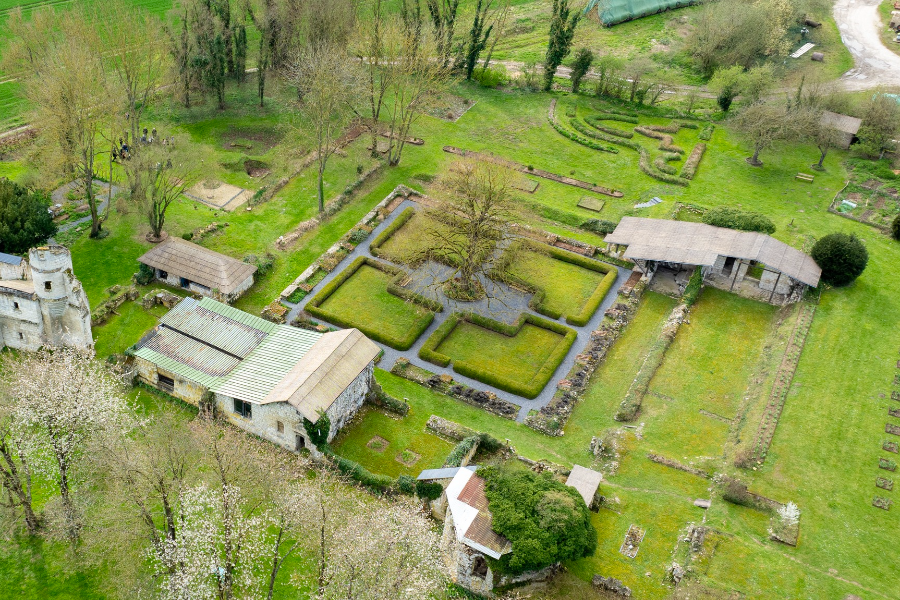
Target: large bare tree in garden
(766,123)
(465,229)
(73,91)
(328,83)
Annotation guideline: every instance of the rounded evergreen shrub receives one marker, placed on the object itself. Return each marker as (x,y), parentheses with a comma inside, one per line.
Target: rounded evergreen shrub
(546,521)
(895,228)
(842,258)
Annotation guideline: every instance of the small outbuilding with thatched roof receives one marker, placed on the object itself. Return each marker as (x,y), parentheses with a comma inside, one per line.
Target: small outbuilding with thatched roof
(846,126)
(183,264)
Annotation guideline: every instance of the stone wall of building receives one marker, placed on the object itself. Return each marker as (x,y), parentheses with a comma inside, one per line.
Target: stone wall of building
(184,389)
(464,564)
(8,271)
(23,327)
(350,400)
(174,280)
(264,422)
(768,280)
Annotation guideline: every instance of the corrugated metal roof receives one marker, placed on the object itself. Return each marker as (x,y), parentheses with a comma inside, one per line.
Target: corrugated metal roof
(10,259)
(218,325)
(324,372)
(173,366)
(191,353)
(448,473)
(472,519)
(264,368)
(201,265)
(700,244)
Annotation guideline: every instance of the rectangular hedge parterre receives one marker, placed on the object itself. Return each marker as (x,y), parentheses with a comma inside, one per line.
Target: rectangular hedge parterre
(390,230)
(391,315)
(563,292)
(520,360)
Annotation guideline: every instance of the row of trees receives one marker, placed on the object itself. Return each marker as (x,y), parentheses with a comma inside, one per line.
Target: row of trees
(208,513)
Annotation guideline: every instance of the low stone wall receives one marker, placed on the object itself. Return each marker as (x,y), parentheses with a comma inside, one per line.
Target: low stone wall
(551,419)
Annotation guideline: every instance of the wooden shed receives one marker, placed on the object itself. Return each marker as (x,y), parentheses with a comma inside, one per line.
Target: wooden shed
(845,125)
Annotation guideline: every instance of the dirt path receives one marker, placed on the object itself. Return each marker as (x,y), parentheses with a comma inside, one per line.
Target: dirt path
(860,26)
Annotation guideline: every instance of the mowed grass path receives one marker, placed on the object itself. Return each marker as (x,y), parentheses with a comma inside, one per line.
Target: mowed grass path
(364,302)
(517,358)
(567,286)
(708,367)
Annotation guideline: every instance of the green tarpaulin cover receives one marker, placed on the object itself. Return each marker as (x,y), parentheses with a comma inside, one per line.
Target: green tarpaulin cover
(619,11)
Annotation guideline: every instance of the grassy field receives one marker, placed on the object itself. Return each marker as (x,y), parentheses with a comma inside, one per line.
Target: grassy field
(364,302)
(567,286)
(826,448)
(407,433)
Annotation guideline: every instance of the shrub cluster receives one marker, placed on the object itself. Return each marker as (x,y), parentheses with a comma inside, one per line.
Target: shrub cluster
(263,263)
(581,140)
(145,274)
(661,162)
(647,168)
(313,307)
(735,218)
(429,490)
(666,142)
(25,220)
(546,521)
(842,258)
(613,138)
(601,226)
(459,452)
(692,291)
(693,161)
(380,398)
(707,132)
(598,134)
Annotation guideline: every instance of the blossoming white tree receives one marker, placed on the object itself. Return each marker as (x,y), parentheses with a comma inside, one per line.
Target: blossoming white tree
(63,398)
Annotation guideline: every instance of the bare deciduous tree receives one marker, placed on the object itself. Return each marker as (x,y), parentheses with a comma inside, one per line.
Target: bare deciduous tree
(465,230)
(71,87)
(327,83)
(765,123)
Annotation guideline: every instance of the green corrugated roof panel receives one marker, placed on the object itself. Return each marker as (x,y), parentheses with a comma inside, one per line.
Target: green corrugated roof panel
(238,315)
(173,366)
(266,366)
(619,11)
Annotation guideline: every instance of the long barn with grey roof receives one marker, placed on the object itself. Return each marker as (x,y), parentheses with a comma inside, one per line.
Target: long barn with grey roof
(263,377)
(725,255)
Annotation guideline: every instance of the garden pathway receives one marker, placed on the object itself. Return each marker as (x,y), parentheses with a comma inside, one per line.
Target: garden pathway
(59,197)
(506,305)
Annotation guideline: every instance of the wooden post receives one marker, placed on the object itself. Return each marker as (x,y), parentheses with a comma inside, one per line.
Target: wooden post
(775,288)
(737,268)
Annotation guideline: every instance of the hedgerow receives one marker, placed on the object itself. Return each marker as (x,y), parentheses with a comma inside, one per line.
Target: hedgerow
(735,218)
(390,230)
(583,141)
(428,351)
(693,161)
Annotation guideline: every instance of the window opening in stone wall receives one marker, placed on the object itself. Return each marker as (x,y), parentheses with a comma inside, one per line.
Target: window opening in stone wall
(280,426)
(479,567)
(16,305)
(245,409)
(166,384)
(48,286)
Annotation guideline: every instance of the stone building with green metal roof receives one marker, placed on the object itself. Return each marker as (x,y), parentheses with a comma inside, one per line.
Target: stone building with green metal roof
(263,377)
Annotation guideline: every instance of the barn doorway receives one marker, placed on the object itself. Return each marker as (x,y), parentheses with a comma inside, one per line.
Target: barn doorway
(479,567)
(299,442)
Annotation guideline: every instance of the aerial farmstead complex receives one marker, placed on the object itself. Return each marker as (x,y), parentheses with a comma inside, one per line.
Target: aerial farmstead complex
(320,299)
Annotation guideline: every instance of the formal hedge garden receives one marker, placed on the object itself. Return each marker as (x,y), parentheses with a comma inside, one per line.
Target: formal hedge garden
(577,287)
(519,358)
(367,296)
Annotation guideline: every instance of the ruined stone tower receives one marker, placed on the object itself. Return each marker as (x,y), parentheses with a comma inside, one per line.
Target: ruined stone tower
(48,307)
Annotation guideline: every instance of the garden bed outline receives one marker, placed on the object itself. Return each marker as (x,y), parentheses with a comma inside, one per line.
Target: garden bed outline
(583,334)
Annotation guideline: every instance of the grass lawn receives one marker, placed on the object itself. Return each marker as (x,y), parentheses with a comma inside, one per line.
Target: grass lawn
(518,358)
(705,369)
(567,286)
(364,302)
(407,433)
(406,241)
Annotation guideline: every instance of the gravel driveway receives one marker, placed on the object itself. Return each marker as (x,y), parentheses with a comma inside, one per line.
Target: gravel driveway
(860,26)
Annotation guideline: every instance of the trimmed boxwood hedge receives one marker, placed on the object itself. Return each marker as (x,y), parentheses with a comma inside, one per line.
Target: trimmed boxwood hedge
(390,230)
(313,307)
(581,140)
(428,351)
(536,303)
(526,389)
